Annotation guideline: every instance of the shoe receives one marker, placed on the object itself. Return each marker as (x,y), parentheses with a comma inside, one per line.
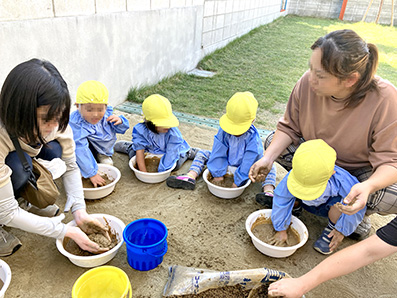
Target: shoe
(49,211)
(362,231)
(322,243)
(265,199)
(191,154)
(297,211)
(107,160)
(183,182)
(122,146)
(8,243)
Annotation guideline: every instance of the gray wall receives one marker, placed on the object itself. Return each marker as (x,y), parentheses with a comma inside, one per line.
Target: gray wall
(123,43)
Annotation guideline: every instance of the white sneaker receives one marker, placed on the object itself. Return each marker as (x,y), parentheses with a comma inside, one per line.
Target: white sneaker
(8,243)
(105,159)
(49,211)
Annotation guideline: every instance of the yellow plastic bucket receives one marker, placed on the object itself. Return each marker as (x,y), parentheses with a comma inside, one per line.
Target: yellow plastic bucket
(102,282)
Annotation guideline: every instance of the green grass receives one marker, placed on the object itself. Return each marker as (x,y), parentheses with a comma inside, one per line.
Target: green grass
(267,61)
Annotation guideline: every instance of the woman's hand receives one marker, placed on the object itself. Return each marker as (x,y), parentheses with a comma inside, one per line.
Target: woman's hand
(97,180)
(83,241)
(336,240)
(356,199)
(89,224)
(114,119)
(260,169)
(279,238)
(287,288)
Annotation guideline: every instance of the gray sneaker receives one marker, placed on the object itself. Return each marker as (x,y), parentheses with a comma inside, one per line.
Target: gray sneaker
(49,211)
(107,160)
(8,243)
(363,229)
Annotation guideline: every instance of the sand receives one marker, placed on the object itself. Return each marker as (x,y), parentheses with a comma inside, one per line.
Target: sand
(204,232)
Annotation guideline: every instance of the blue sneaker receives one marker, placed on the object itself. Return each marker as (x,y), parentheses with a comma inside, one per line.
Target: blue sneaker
(322,243)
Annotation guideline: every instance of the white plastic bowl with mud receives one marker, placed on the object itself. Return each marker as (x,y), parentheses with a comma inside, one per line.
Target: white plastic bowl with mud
(152,175)
(111,174)
(224,192)
(263,216)
(85,259)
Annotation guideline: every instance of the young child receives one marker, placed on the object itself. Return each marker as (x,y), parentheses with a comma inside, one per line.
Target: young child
(237,143)
(94,129)
(157,134)
(320,184)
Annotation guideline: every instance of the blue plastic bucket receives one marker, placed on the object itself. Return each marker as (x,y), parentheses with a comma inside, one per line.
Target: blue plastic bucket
(146,241)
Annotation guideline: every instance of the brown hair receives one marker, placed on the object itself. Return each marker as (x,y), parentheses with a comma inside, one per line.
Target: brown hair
(344,52)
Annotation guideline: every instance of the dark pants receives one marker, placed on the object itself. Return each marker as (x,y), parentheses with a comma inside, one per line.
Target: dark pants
(19,176)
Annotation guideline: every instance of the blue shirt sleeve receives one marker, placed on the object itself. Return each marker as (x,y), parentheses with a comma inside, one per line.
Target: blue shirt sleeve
(283,203)
(175,146)
(253,151)
(85,160)
(139,137)
(121,128)
(217,163)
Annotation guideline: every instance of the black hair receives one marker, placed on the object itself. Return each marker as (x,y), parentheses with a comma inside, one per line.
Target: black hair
(150,125)
(344,52)
(29,85)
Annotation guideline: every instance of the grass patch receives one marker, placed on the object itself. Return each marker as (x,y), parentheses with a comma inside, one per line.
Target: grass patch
(267,61)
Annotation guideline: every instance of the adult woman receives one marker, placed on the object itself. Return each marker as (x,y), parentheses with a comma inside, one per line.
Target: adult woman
(341,101)
(34,107)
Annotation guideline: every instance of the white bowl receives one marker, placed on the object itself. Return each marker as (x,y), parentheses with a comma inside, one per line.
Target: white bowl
(117,227)
(103,191)
(225,192)
(149,177)
(272,250)
(5,275)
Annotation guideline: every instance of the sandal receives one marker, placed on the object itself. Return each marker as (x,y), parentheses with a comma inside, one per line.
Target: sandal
(183,182)
(265,199)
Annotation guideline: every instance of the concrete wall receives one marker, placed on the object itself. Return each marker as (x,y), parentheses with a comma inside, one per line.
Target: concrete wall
(123,43)
(354,12)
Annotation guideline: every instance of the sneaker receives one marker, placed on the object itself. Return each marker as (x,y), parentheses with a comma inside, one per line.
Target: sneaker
(8,243)
(183,182)
(107,160)
(49,211)
(322,243)
(297,211)
(191,154)
(122,146)
(363,229)
(265,199)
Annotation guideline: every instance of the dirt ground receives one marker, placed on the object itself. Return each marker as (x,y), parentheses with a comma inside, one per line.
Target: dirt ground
(204,232)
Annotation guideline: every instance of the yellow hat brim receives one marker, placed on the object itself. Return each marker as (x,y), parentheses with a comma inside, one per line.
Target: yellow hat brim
(304,192)
(169,122)
(233,128)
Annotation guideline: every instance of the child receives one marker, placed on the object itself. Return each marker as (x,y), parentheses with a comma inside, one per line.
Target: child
(94,129)
(320,184)
(237,143)
(157,134)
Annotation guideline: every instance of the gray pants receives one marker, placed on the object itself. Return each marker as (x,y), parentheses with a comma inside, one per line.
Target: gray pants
(383,201)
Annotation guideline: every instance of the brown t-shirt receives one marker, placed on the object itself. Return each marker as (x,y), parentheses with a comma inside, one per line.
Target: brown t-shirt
(365,135)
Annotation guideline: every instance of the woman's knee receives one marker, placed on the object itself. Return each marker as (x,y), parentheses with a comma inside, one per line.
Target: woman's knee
(51,150)
(19,176)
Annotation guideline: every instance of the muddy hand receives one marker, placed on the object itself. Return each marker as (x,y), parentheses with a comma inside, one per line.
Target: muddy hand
(94,226)
(279,238)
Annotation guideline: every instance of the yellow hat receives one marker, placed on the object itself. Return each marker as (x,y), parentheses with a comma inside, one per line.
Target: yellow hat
(92,92)
(312,166)
(157,109)
(240,112)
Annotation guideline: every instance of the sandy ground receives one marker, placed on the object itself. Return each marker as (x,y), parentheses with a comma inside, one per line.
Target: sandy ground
(204,232)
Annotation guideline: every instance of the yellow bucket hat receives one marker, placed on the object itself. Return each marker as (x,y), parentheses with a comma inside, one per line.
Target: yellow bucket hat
(92,92)
(240,112)
(312,166)
(157,109)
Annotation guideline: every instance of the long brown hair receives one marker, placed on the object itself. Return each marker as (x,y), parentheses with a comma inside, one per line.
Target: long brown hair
(344,52)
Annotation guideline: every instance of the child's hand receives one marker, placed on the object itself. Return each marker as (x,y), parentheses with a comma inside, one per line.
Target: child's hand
(234,185)
(116,120)
(218,179)
(336,240)
(279,238)
(97,180)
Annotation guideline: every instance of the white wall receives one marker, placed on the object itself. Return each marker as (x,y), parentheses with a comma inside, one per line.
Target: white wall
(123,43)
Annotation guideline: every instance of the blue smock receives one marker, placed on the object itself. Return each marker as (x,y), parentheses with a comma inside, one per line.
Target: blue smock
(240,152)
(102,137)
(339,185)
(171,144)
